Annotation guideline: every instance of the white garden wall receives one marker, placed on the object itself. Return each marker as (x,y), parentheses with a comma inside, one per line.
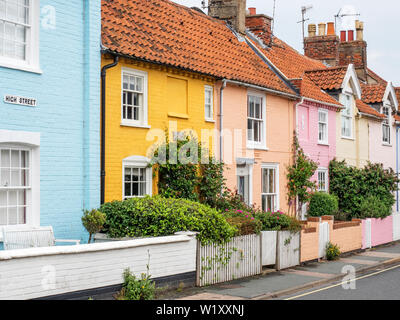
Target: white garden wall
(41,272)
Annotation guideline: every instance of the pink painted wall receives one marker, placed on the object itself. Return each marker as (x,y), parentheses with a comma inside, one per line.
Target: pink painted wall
(381,231)
(279,139)
(380,153)
(307,124)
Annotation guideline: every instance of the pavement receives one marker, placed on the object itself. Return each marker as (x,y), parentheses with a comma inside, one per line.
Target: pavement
(307,281)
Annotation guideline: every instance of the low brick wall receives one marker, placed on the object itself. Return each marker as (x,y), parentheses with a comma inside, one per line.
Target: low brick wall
(381,231)
(309,244)
(309,240)
(346,235)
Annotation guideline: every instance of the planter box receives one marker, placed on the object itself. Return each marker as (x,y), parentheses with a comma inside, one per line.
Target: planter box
(288,250)
(268,246)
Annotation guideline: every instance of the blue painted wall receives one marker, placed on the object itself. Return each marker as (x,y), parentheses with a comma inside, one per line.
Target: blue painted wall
(67,115)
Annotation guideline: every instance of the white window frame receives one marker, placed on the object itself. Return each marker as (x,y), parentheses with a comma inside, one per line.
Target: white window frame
(141,123)
(262,145)
(326,140)
(28,141)
(209,89)
(31,62)
(273,166)
(139,162)
(324,171)
(386,123)
(348,117)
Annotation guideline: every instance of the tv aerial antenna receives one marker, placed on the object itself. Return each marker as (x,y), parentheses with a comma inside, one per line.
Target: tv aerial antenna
(304,10)
(341,15)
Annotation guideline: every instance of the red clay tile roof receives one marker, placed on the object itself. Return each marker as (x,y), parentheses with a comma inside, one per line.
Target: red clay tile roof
(364,108)
(164,32)
(308,89)
(329,78)
(397,93)
(293,65)
(289,61)
(373,93)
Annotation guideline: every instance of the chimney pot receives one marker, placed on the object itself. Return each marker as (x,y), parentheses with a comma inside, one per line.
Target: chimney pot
(360,30)
(350,35)
(253,11)
(312,30)
(331,29)
(321,29)
(343,36)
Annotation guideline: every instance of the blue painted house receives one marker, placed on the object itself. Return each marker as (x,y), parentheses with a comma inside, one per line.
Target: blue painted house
(49,113)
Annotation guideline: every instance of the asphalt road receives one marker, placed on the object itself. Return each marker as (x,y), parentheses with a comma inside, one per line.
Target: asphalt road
(378,285)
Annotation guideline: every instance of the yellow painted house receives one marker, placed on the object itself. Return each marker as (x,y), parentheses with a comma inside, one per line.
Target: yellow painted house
(143,101)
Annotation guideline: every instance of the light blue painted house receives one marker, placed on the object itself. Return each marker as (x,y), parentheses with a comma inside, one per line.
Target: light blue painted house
(49,113)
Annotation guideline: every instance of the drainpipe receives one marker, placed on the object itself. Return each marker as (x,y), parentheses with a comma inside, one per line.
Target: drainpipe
(221,120)
(103,125)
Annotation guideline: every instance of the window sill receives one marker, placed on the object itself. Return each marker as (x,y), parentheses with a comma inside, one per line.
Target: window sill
(255,147)
(210,121)
(387,145)
(21,67)
(178,115)
(346,138)
(132,125)
(324,144)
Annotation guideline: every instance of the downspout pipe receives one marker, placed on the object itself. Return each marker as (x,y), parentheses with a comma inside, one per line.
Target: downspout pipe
(221,119)
(103,125)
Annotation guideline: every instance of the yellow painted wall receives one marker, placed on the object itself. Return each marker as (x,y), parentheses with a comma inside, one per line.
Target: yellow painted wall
(355,151)
(165,85)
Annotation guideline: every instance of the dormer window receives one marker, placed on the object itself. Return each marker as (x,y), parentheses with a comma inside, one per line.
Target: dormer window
(386,125)
(347,117)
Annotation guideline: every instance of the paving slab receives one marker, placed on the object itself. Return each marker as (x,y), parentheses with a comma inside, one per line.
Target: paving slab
(211,296)
(263,285)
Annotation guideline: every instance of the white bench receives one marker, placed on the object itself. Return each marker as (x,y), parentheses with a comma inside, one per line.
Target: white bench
(30,237)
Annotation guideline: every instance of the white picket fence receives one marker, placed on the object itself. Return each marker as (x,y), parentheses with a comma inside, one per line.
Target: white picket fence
(237,259)
(288,250)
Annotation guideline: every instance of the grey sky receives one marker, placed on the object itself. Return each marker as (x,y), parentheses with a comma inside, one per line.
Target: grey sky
(380,23)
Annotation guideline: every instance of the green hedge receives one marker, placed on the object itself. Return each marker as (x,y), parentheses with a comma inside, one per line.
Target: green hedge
(353,186)
(323,204)
(373,207)
(157,216)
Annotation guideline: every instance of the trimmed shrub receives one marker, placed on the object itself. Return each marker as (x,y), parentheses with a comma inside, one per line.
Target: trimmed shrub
(245,226)
(277,221)
(373,207)
(323,204)
(353,186)
(93,221)
(158,216)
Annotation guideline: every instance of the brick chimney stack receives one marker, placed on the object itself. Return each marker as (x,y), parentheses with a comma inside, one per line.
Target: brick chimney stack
(260,25)
(355,51)
(233,11)
(324,46)
(333,51)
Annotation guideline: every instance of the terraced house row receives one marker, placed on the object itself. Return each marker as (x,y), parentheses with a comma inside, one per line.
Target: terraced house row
(80,117)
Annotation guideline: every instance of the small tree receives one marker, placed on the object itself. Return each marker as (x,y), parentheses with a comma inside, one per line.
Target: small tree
(300,187)
(93,221)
